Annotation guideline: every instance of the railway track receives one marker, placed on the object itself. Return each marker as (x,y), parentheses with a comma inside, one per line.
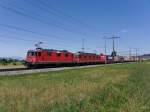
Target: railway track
(23,71)
(12,69)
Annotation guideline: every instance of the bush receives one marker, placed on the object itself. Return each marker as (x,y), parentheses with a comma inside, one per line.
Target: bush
(7,61)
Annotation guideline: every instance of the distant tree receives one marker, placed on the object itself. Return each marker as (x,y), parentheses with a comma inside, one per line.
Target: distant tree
(4,61)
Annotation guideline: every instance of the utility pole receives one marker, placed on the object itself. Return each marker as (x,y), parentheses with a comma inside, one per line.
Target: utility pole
(83,40)
(130,54)
(105,44)
(105,48)
(105,52)
(113,45)
(136,53)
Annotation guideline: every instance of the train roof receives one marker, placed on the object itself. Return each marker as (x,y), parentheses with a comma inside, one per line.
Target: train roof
(49,50)
(62,51)
(53,50)
(83,53)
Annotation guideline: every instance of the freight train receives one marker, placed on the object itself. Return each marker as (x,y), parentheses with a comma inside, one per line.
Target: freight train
(50,57)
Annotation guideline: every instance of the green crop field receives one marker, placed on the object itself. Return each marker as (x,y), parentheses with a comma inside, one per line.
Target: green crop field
(111,88)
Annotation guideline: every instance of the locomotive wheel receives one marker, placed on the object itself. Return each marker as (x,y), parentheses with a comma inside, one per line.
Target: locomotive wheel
(31,66)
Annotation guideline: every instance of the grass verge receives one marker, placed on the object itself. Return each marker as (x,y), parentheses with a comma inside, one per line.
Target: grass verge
(114,88)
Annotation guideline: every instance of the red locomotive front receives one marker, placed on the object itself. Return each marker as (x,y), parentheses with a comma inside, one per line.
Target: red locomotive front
(31,56)
(49,56)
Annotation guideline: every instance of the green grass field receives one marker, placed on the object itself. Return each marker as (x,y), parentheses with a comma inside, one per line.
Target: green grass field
(111,88)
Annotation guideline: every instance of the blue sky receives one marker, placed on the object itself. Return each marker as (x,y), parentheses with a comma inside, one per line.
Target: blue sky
(61,24)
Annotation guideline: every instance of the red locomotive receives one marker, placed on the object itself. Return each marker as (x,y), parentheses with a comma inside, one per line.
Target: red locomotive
(82,57)
(53,57)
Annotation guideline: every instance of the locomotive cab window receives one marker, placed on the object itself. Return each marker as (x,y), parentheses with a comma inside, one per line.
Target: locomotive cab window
(31,53)
(39,53)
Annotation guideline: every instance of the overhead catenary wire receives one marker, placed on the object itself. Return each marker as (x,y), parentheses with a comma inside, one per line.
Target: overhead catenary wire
(43,9)
(18,11)
(57,13)
(31,41)
(62,45)
(20,38)
(35,41)
(11,29)
(38,15)
(16,38)
(48,36)
(50,9)
(30,16)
